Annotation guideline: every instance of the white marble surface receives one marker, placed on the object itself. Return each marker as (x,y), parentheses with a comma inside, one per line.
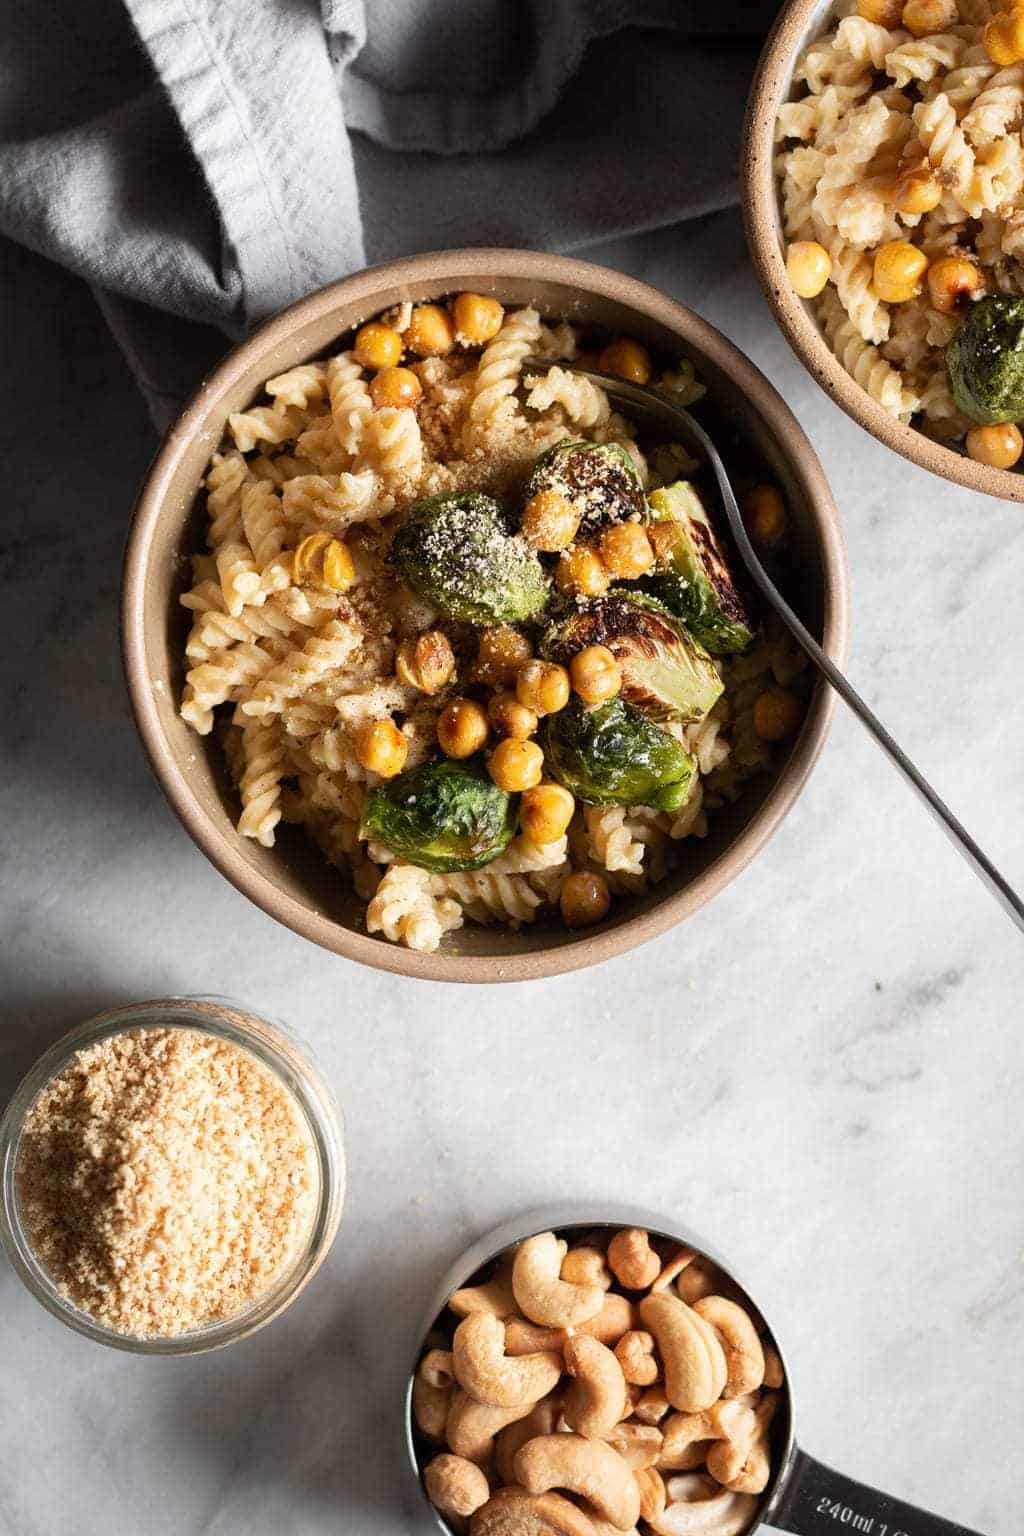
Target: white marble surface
(822,1072)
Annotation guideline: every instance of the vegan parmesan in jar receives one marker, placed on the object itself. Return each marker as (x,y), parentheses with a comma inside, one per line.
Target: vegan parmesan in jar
(166,1180)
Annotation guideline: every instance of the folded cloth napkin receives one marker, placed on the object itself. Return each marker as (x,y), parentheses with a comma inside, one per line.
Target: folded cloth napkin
(204,162)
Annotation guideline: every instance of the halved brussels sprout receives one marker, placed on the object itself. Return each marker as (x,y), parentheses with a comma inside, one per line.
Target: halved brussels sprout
(599,480)
(665,672)
(691,577)
(985,360)
(615,755)
(457,553)
(445,816)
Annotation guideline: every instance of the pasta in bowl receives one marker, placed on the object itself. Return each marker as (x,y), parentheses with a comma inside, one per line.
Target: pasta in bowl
(451,695)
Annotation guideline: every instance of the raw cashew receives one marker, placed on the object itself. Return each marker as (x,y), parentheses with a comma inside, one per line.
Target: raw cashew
(774,1375)
(744,1357)
(455,1487)
(653,1496)
(514,1512)
(639,1444)
(698,1507)
(585,1266)
(540,1291)
(652,1406)
(495,1297)
(541,1420)
(471,1427)
(632,1260)
(585,1467)
(523,1338)
(614,1319)
(635,1353)
(597,1400)
(484,1370)
(432,1391)
(694,1360)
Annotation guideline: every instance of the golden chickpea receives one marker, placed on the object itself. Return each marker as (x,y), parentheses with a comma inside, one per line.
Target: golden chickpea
(898,270)
(596,675)
(776,714)
(582,571)
(381,748)
(545,813)
(461,728)
(626,360)
(510,718)
(884,13)
(516,765)
(338,566)
(999,446)
(809,267)
(501,651)
(377,346)
(950,280)
(477,318)
(764,513)
(431,332)
(426,663)
(549,522)
(917,190)
(626,550)
(585,899)
(396,387)
(999,42)
(922,17)
(543,686)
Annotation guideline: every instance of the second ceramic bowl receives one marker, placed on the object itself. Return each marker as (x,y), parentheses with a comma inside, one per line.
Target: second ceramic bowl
(292,881)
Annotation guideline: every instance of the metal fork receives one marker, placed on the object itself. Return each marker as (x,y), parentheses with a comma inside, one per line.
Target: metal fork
(650,406)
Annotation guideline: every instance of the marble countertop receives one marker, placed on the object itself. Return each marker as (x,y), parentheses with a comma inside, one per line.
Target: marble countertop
(822,1071)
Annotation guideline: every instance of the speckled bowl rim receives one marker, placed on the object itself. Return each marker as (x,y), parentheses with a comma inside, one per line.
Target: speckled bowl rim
(796,25)
(142,586)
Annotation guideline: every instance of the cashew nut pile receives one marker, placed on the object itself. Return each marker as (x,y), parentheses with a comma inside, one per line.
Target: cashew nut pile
(608,1389)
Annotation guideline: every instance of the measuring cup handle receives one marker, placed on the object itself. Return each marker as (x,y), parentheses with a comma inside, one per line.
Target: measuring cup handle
(815,1501)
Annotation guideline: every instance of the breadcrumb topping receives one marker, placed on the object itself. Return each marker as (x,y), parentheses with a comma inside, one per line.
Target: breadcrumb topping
(166,1180)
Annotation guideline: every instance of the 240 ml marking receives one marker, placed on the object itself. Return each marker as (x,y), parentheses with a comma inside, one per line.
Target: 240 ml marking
(866,1524)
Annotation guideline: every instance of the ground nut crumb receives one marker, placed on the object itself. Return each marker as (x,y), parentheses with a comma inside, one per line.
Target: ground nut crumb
(166,1179)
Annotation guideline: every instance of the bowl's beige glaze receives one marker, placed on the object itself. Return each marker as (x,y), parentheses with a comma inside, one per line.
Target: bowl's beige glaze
(293,882)
(798,23)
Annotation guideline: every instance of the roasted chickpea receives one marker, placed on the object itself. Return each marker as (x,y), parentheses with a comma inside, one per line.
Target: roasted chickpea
(501,652)
(377,346)
(776,714)
(809,267)
(396,387)
(898,270)
(381,748)
(338,566)
(950,280)
(515,765)
(585,899)
(626,550)
(461,728)
(582,571)
(1000,446)
(626,360)
(884,13)
(510,718)
(764,513)
(545,813)
(426,663)
(549,522)
(922,17)
(431,332)
(596,675)
(917,190)
(543,686)
(477,317)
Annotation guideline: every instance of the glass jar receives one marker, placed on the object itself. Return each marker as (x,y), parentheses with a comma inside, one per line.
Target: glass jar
(277,1050)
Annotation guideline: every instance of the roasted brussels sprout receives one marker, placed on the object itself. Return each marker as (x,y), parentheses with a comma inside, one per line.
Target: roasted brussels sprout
(615,755)
(985,360)
(598,480)
(665,672)
(457,553)
(444,816)
(691,577)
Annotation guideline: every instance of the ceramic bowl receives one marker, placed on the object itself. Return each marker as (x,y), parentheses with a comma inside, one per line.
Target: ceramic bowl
(799,23)
(292,881)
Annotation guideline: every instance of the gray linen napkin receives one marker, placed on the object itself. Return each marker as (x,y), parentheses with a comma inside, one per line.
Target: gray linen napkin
(204,162)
